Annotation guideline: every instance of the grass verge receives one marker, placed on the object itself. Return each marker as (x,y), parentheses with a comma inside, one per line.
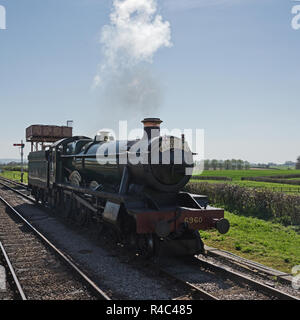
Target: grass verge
(238,174)
(269,243)
(14,175)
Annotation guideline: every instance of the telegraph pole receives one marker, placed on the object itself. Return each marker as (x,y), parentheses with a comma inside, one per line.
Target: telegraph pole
(21,145)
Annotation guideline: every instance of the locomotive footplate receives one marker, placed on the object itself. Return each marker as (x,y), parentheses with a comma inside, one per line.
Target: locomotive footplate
(177,229)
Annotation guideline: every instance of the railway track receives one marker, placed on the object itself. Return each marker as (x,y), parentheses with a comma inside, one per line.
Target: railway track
(41,269)
(12,289)
(253,268)
(194,292)
(244,279)
(21,188)
(212,282)
(14,182)
(203,279)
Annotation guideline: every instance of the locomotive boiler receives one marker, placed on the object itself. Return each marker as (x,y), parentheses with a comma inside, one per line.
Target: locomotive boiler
(134,187)
(156,162)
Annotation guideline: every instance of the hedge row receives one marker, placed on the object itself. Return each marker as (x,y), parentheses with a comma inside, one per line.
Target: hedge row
(265,179)
(16,168)
(211,178)
(285,176)
(263,204)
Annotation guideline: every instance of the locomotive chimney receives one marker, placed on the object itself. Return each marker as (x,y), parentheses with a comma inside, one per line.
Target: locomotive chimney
(151,128)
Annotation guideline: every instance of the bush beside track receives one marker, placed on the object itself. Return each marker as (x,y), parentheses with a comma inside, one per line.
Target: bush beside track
(212,178)
(285,176)
(14,168)
(272,180)
(263,204)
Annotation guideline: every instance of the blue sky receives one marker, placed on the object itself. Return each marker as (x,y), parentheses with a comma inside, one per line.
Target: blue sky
(233,70)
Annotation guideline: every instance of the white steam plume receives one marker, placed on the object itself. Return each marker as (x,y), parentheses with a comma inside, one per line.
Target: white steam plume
(135,33)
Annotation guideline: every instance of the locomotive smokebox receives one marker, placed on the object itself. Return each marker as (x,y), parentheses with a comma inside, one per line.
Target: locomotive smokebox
(151,128)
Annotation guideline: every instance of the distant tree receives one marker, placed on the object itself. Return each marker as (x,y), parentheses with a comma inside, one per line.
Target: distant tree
(261,165)
(227,165)
(221,164)
(206,164)
(240,164)
(214,164)
(234,164)
(246,165)
(298,163)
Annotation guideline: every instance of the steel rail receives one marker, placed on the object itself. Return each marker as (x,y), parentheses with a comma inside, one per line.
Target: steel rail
(244,279)
(249,266)
(14,182)
(197,291)
(86,280)
(13,273)
(17,191)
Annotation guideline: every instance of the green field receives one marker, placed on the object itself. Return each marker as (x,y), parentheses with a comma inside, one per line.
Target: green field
(262,241)
(14,175)
(277,187)
(238,174)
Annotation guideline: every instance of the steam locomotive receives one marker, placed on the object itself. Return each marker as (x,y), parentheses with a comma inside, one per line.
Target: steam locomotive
(133,187)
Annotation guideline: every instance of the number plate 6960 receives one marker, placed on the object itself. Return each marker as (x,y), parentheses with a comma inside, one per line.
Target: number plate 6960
(192,220)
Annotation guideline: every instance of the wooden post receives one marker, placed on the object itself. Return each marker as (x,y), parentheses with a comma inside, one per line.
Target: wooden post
(22,156)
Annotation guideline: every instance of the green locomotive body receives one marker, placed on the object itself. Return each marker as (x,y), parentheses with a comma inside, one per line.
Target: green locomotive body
(128,185)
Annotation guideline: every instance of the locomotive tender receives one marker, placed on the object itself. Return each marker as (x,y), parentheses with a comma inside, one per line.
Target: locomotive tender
(134,187)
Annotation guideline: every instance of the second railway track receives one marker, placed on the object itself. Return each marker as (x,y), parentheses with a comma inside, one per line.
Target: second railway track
(43,271)
(211,285)
(212,282)
(10,288)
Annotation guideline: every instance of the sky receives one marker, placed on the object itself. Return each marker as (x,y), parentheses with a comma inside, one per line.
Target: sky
(232,69)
